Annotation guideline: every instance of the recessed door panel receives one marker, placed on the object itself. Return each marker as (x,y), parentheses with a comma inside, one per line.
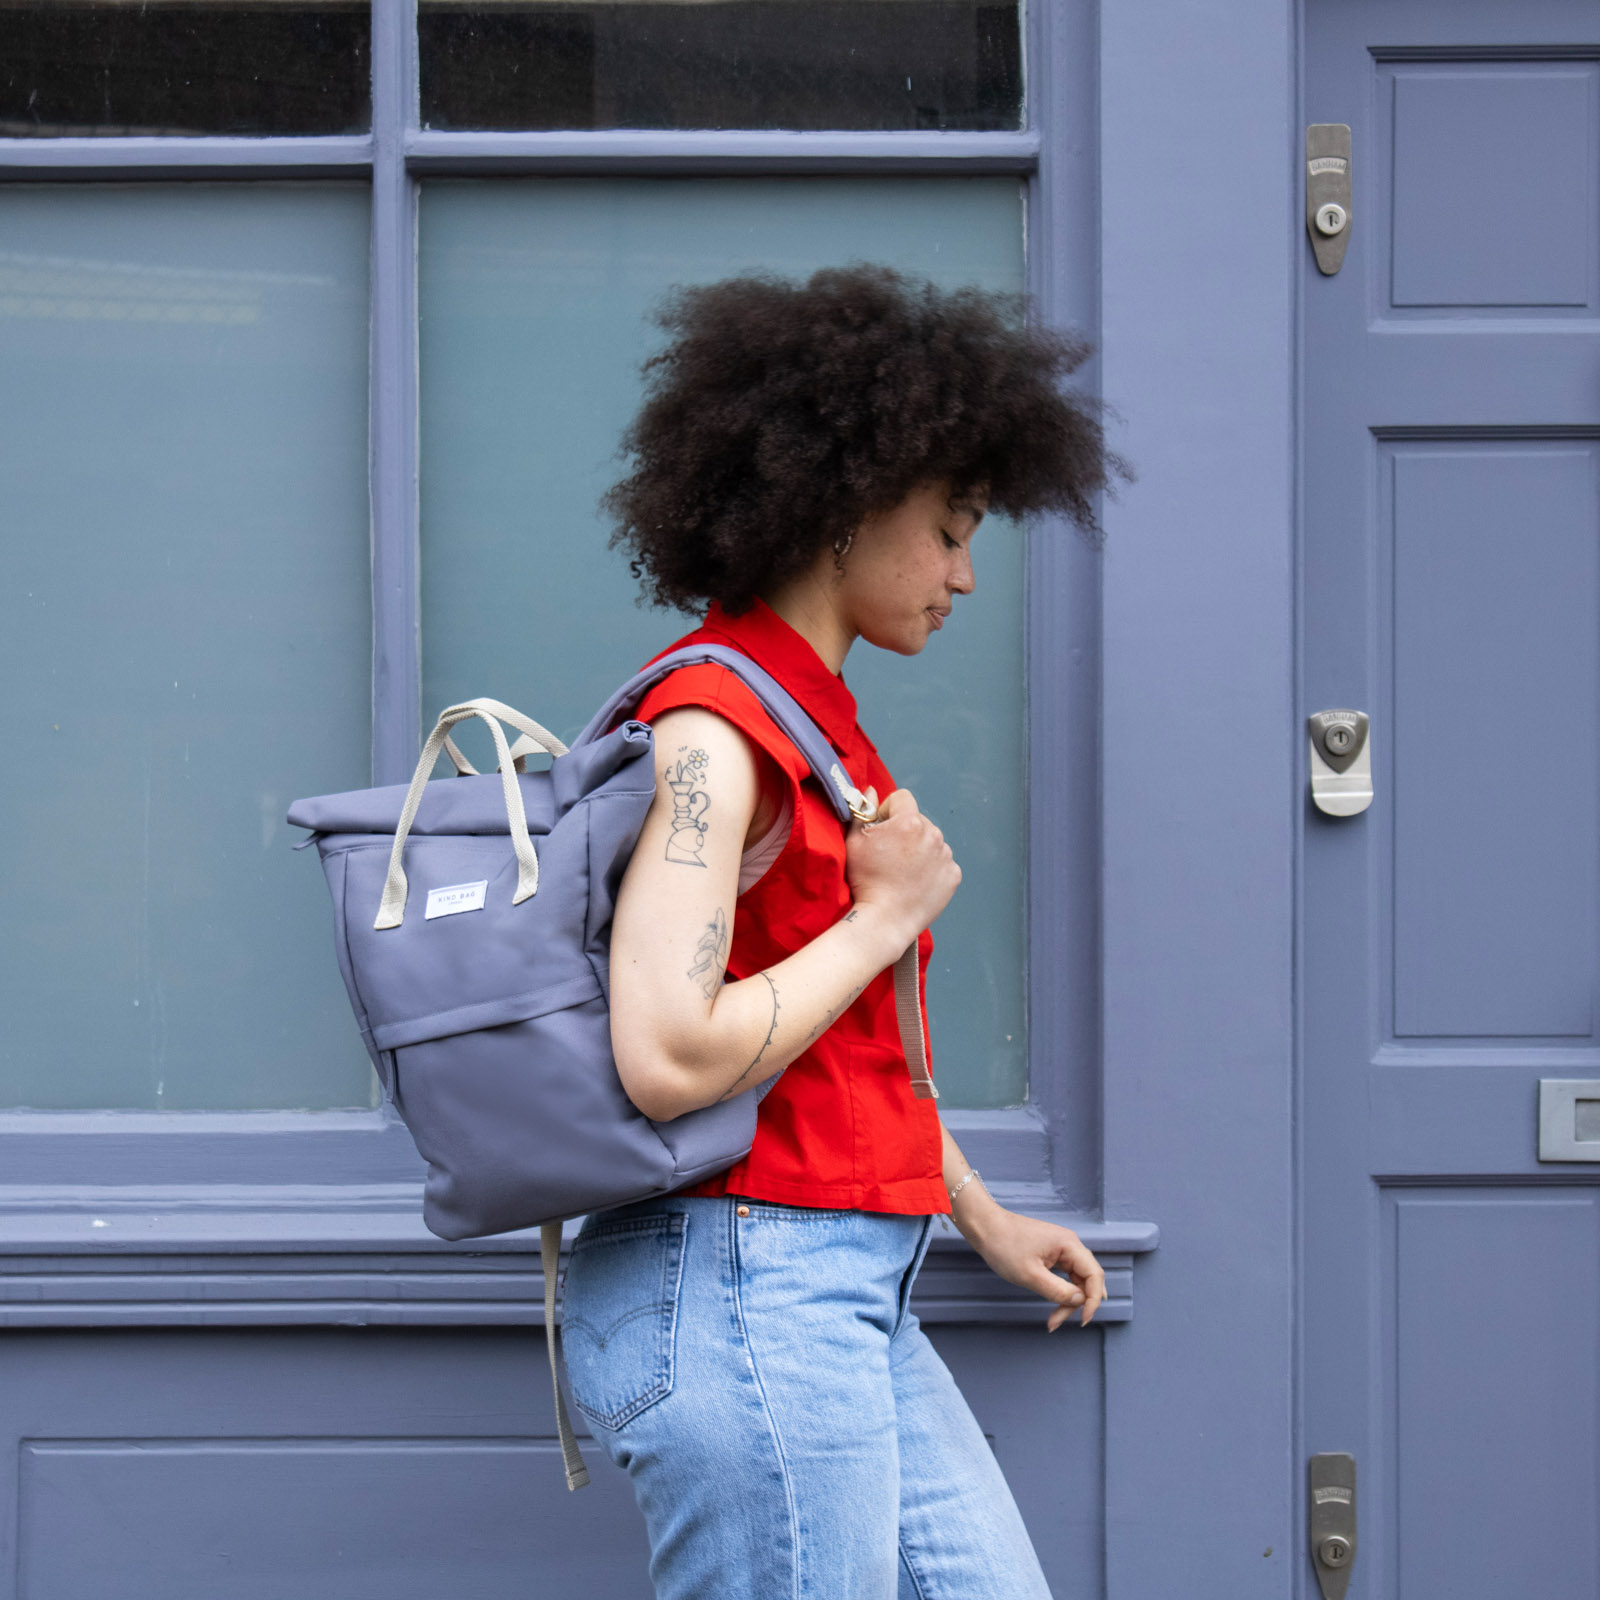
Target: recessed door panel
(1494,632)
(362,1519)
(1495,203)
(1496,1326)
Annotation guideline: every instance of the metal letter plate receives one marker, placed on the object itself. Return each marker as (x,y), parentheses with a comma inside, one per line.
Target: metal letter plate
(1328,184)
(1569,1119)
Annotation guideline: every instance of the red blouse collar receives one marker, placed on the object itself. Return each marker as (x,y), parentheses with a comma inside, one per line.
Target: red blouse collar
(764,636)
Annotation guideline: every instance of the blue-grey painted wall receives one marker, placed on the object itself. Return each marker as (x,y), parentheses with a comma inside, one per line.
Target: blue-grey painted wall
(1199,238)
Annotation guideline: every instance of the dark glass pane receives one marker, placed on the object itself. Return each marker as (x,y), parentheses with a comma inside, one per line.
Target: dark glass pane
(857,64)
(183,67)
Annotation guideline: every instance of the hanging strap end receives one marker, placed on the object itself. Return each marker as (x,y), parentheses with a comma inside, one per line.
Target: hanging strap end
(527,878)
(391,911)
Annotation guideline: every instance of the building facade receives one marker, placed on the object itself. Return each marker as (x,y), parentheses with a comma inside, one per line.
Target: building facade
(319,324)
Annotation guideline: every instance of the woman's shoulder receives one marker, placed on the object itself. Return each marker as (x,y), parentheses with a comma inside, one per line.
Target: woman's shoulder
(721,692)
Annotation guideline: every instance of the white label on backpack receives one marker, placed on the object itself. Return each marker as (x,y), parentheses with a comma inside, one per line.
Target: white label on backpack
(457,897)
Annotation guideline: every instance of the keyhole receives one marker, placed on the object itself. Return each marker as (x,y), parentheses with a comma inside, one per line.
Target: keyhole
(1331,218)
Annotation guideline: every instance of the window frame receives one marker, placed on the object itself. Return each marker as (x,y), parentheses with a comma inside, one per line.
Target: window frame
(253,1181)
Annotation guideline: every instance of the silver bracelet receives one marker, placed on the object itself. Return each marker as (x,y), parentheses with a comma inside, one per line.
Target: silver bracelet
(972,1172)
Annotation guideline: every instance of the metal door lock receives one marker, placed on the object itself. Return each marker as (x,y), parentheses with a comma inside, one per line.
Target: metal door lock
(1333,1522)
(1328,193)
(1341,762)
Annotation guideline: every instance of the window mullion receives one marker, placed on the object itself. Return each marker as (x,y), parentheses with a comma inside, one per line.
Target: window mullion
(396,617)
(147,158)
(709,152)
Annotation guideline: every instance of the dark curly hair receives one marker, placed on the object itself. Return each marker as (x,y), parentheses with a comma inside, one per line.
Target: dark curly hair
(781,414)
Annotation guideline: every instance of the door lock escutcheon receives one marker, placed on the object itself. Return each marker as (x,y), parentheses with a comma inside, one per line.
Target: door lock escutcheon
(1332,1523)
(1328,193)
(1341,762)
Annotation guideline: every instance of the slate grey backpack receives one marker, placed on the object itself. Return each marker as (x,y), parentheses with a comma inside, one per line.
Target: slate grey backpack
(478,968)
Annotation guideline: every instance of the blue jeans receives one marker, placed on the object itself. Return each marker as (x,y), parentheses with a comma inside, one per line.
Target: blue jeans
(789,1429)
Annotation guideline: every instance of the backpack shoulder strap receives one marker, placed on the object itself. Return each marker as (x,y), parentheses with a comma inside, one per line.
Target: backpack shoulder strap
(779,704)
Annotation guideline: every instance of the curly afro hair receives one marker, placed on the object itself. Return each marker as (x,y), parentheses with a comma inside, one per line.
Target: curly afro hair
(781,414)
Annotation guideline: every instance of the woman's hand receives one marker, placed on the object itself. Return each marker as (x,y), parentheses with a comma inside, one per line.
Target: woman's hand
(1023,1250)
(899,868)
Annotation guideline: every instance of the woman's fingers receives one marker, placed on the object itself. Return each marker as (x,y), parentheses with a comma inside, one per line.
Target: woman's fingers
(1037,1276)
(1087,1287)
(898,803)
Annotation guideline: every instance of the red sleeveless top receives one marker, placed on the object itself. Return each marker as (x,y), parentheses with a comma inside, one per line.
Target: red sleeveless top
(840,1128)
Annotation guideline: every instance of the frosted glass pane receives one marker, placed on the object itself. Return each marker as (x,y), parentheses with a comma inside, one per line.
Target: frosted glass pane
(184,638)
(534,295)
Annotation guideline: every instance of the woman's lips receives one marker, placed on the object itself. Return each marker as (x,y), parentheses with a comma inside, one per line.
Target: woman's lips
(938,616)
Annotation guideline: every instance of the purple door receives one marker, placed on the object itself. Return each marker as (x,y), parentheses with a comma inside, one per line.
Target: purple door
(1450,588)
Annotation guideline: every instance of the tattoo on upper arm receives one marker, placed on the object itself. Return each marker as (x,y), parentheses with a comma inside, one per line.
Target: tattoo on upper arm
(711,955)
(690,802)
(772,1028)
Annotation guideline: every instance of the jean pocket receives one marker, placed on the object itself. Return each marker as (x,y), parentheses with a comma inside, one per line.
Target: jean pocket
(620,1317)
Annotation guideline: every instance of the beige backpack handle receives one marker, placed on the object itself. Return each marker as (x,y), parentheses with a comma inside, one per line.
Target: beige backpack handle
(392,908)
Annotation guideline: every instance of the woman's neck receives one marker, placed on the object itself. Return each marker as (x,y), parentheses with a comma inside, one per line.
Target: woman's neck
(807,603)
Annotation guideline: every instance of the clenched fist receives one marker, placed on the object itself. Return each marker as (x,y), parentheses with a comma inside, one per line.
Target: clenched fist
(900,866)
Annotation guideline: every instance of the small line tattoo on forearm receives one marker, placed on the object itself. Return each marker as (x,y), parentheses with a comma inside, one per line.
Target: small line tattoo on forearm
(690,802)
(834,1015)
(772,1028)
(711,955)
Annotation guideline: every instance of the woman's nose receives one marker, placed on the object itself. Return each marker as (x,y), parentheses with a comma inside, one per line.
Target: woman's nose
(962,580)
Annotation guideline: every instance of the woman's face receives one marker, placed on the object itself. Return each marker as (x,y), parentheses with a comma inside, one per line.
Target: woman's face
(906,565)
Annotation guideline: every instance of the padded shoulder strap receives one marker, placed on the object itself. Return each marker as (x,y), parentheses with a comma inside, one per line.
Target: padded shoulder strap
(780,705)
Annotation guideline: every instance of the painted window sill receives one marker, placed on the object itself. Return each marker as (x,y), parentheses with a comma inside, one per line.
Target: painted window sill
(303,1255)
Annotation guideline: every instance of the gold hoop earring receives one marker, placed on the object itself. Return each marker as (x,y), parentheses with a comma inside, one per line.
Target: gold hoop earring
(841,545)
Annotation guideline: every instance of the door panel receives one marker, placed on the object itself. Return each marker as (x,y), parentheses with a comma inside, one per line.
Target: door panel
(1494,1383)
(1494,198)
(1492,632)
(1451,588)
(366,1519)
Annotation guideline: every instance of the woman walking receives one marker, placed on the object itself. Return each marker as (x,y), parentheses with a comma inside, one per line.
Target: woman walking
(812,465)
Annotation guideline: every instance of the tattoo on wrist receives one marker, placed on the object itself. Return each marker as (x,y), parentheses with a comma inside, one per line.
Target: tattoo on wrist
(690,803)
(772,1028)
(711,955)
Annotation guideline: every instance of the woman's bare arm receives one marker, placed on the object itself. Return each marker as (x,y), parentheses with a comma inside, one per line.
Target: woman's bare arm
(682,1037)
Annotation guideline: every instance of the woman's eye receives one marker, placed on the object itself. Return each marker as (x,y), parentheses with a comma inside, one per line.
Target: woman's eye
(950,544)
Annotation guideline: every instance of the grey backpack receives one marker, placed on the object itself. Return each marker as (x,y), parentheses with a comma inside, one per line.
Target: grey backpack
(478,968)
